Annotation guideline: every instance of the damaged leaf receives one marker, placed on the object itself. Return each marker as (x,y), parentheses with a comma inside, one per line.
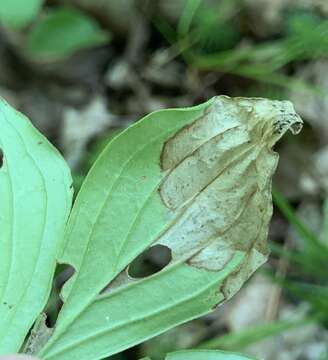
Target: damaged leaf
(195,180)
(36,194)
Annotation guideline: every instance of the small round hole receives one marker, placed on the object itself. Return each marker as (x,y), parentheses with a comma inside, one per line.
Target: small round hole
(150,262)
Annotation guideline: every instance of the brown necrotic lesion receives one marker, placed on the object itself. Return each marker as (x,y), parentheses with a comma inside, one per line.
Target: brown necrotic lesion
(217,182)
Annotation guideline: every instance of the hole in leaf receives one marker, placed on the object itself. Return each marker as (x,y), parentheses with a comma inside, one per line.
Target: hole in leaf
(1,158)
(150,262)
(62,274)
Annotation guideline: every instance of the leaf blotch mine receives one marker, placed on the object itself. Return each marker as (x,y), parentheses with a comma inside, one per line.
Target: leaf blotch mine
(217,184)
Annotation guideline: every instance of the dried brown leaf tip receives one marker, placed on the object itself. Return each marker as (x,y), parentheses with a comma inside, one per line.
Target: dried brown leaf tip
(218,183)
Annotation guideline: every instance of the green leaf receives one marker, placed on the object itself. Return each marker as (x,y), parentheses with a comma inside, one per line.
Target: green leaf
(63,32)
(18,13)
(36,199)
(205,355)
(196,180)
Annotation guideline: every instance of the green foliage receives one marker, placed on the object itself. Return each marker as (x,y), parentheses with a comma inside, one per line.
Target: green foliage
(305,38)
(103,237)
(35,188)
(208,37)
(307,35)
(207,28)
(62,32)
(214,28)
(18,13)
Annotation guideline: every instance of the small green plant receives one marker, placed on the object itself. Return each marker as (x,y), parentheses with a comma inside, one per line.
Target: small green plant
(63,32)
(51,35)
(195,181)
